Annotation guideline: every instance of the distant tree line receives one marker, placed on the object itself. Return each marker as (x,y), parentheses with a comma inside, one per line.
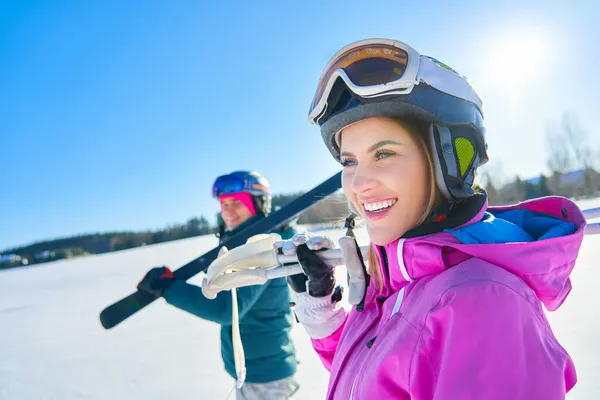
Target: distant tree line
(571,160)
(97,243)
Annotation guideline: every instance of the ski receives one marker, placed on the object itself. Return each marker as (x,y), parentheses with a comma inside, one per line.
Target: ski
(128,306)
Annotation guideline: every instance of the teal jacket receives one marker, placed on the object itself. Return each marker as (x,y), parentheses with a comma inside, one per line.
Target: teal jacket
(265,322)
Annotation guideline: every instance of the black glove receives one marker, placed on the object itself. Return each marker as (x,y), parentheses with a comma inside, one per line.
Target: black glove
(156,281)
(318,277)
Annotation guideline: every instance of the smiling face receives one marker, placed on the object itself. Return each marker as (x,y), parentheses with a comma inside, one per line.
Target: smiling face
(234,213)
(387,176)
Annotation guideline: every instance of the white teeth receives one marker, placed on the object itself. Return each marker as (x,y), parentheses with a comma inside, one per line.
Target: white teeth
(379,205)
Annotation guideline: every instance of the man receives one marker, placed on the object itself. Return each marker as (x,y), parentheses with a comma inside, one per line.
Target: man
(264,312)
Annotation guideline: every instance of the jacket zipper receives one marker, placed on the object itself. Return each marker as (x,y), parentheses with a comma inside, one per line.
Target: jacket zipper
(387,271)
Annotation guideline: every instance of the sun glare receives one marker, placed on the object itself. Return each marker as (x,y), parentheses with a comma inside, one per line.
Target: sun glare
(517,59)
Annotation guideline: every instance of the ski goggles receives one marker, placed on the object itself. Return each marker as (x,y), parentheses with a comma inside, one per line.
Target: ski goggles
(379,67)
(230,184)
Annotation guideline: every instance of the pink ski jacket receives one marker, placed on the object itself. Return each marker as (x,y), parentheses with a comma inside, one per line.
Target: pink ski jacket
(460,313)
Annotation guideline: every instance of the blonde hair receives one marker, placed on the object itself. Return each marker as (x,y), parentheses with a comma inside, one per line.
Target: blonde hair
(418,133)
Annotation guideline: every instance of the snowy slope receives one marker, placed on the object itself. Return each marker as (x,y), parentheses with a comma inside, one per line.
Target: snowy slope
(53,347)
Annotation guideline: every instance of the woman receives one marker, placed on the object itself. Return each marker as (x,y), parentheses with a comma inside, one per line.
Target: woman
(265,317)
(452,306)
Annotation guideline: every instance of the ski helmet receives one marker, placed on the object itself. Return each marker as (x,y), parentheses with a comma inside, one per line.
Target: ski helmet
(250,182)
(388,78)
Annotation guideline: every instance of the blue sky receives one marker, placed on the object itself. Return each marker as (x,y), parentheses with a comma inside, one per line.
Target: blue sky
(118,115)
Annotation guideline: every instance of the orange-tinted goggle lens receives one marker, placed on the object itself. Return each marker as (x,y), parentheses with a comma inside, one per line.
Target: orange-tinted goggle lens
(367,65)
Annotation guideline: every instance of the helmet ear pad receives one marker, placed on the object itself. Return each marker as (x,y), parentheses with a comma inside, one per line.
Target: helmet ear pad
(455,159)
(262,204)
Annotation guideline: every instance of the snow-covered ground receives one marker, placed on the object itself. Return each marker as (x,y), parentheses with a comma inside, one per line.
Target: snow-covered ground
(52,345)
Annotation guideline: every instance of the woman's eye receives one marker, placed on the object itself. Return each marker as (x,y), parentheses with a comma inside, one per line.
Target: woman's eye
(383,154)
(348,162)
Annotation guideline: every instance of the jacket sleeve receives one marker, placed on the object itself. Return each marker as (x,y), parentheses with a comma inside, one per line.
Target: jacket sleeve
(190,298)
(327,346)
(324,322)
(484,340)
